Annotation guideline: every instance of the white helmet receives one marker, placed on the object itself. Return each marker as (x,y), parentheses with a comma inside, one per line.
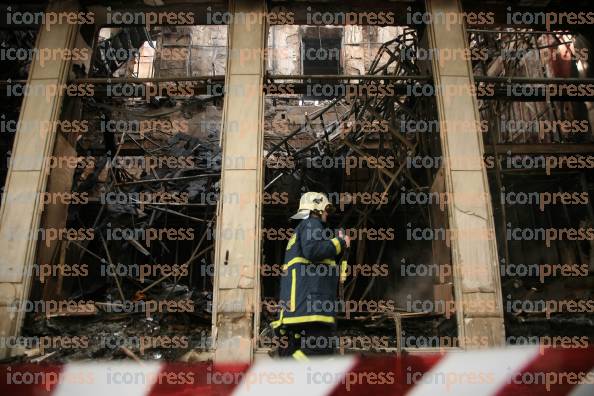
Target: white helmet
(312,201)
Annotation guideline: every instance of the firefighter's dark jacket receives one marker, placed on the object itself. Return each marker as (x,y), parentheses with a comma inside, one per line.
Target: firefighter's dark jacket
(310,276)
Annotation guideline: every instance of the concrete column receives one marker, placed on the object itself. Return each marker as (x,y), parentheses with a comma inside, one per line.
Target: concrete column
(474,251)
(27,176)
(239,210)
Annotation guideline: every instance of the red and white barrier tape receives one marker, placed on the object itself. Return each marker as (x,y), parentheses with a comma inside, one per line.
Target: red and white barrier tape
(510,371)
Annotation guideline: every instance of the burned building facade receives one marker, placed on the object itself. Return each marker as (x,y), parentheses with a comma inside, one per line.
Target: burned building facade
(161,148)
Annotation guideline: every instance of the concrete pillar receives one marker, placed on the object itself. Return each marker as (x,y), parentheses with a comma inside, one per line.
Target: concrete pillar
(239,211)
(474,252)
(27,176)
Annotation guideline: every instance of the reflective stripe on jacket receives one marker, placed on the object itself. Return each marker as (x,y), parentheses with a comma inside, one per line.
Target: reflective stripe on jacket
(310,276)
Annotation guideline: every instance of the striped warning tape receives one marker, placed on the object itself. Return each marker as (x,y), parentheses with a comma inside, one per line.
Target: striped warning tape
(511,371)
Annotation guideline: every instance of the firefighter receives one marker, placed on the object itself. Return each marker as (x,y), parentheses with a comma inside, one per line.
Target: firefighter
(309,282)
